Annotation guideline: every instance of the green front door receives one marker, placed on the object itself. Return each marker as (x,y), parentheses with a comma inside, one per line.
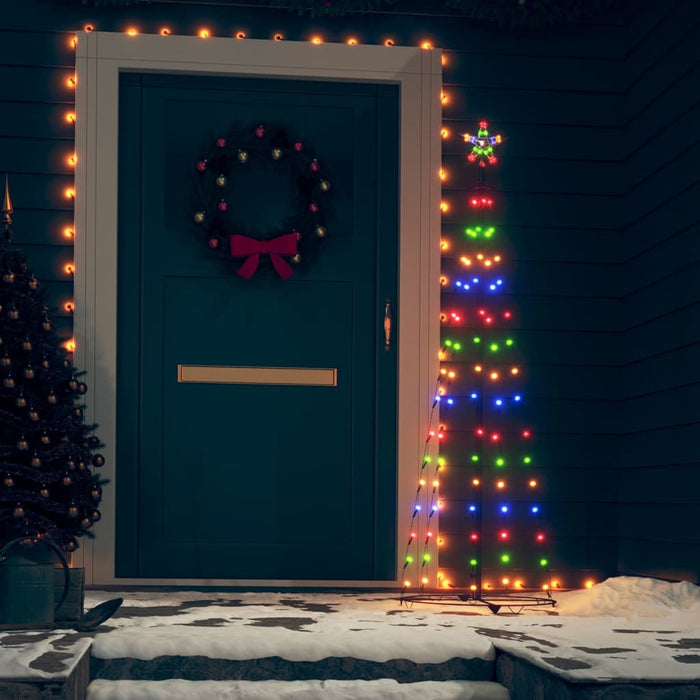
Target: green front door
(238,479)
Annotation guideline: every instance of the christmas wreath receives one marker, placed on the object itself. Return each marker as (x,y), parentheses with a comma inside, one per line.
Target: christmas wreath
(237,154)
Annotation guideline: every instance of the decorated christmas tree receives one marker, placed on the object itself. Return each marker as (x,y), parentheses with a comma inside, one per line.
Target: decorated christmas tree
(47,486)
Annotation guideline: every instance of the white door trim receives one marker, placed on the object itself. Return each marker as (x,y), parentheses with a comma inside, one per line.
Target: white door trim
(100,57)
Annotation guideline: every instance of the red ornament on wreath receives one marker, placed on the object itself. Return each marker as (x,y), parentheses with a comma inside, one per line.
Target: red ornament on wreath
(298,237)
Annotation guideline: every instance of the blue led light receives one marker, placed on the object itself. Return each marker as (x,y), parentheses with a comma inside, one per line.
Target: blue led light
(499,282)
(473,395)
(475,280)
(450,402)
(504,509)
(517,397)
(437,399)
(535,509)
(458,283)
(472,508)
(433,508)
(492,287)
(418,507)
(499,402)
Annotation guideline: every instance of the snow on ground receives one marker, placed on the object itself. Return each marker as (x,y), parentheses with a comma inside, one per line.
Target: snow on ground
(383,689)
(623,628)
(37,655)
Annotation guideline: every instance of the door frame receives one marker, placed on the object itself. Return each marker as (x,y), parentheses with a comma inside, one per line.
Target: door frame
(100,57)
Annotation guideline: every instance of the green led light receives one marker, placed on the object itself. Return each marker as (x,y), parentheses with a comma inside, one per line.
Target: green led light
(428,459)
(543,562)
(458,346)
(472,232)
(509,341)
(527,460)
(493,347)
(489,232)
(500,462)
(473,562)
(475,458)
(448,343)
(441,461)
(409,560)
(477,339)
(426,557)
(505,558)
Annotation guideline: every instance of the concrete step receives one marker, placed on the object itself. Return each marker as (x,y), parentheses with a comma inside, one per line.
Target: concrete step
(381,689)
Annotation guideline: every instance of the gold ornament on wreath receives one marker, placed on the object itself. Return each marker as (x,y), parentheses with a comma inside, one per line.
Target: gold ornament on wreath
(298,238)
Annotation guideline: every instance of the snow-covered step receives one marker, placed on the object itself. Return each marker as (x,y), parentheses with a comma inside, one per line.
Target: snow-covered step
(381,689)
(282,648)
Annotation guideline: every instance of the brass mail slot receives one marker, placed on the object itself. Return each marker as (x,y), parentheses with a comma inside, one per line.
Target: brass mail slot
(303,376)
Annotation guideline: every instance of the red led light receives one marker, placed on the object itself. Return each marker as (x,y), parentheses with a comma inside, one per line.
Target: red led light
(495,437)
(507,314)
(540,537)
(474,537)
(480,432)
(488,320)
(504,534)
(526,433)
(482,312)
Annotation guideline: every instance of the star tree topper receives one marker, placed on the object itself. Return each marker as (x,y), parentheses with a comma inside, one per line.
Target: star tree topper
(482,145)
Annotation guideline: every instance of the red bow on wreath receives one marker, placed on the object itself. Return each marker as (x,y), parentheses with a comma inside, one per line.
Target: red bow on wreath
(250,248)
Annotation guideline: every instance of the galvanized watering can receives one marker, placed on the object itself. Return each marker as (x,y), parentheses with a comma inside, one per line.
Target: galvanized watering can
(27,587)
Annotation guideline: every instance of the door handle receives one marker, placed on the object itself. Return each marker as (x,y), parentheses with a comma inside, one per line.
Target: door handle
(387,325)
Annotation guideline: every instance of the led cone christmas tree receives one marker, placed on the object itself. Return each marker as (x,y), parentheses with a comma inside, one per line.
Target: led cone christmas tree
(479,394)
(47,487)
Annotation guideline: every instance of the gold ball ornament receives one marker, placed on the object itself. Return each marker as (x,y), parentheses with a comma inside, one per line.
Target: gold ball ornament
(94,515)
(18,511)
(52,398)
(8,481)
(47,325)
(73,511)
(28,372)
(66,480)
(296,259)
(8,277)
(71,546)
(199,217)
(9,382)
(21,401)
(276,153)
(70,464)
(27,345)
(324,185)
(13,314)
(5,361)
(243,156)
(45,362)
(82,466)
(35,461)
(22,443)
(78,412)
(98,460)
(221,180)
(33,414)
(86,523)
(73,384)
(43,491)
(33,284)
(95,494)
(45,439)
(320,231)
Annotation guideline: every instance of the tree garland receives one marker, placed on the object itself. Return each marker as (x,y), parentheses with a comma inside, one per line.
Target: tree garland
(298,237)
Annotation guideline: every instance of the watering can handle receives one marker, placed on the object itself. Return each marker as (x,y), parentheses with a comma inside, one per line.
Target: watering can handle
(66,571)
